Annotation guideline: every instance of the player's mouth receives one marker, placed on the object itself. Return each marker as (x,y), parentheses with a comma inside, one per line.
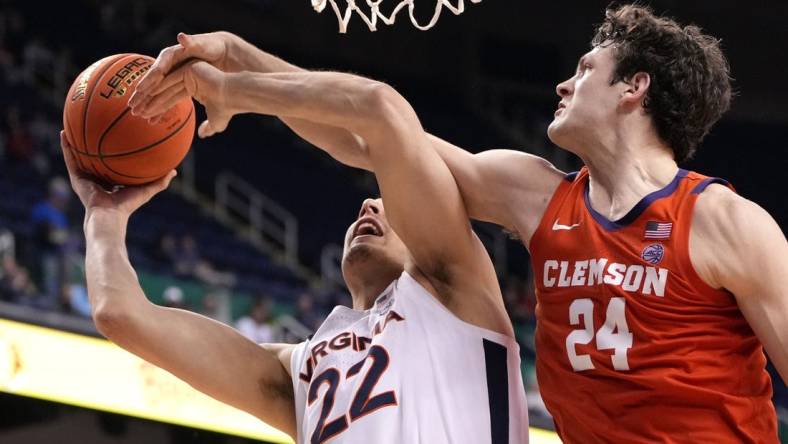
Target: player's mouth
(367,226)
(561,107)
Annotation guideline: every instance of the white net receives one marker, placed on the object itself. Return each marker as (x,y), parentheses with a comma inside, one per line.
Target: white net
(371,18)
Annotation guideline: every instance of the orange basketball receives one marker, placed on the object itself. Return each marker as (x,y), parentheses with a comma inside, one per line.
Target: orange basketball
(110,143)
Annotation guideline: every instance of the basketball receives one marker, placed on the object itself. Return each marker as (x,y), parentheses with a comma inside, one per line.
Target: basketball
(110,143)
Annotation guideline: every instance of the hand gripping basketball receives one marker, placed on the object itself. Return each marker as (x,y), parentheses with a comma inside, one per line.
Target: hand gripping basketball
(95,197)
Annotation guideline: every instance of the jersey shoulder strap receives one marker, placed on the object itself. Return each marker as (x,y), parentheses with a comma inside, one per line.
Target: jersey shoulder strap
(570,188)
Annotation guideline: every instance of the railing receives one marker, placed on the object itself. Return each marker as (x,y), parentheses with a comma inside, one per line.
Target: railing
(505,105)
(331,266)
(269,222)
(291,329)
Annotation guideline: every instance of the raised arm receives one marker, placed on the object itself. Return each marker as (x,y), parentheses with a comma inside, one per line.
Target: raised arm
(208,355)
(422,200)
(230,53)
(737,245)
(509,188)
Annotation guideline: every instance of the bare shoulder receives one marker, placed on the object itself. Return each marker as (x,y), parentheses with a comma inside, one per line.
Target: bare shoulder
(527,181)
(523,170)
(721,212)
(728,232)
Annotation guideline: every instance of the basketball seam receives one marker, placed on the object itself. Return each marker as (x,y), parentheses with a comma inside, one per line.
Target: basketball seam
(106,130)
(153,145)
(134,151)
(80,164)
(90,99)
(67,123)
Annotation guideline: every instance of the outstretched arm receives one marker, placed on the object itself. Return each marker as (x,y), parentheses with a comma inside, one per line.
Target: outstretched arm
(422,201)
(210,356)
(231,53)
(505,187)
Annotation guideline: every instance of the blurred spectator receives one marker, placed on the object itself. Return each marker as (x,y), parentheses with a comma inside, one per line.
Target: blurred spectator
(15,283)
(173,298)
(520,301)
(18,141)
(76,301)
(50,233)
(256,325)
(306,313)
(45,134)
(166,248)
(38,62)
(185,256)
(216,305)
(189,263)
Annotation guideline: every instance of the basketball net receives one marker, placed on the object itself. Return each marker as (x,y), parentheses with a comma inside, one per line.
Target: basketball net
(371,19)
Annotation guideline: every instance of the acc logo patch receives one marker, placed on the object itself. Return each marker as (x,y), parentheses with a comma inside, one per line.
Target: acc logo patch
(653,254)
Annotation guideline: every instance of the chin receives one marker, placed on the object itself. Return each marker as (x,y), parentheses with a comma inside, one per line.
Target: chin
(556,132)
(358,253)
(561,136)
(366,259)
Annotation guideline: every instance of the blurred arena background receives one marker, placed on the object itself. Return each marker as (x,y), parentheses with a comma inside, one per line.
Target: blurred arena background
(249,232)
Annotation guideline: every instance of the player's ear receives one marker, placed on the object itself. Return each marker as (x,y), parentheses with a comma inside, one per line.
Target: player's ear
(636,90)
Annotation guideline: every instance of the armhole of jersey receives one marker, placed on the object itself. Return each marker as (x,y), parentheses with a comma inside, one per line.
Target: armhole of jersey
(413,289)
(296,359)
(558,196)
(688,214)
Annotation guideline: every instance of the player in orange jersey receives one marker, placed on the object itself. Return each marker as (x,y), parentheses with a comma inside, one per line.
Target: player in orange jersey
(657,287)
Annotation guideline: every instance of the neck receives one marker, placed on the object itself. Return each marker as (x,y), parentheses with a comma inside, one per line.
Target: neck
(624,171)
(366,288)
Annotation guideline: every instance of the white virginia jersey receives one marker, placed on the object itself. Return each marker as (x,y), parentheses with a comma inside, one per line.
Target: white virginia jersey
(407,371)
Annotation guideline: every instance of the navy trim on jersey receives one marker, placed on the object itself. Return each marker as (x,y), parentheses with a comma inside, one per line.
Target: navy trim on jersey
(639,208)
(497,391)
(570,177)
(706,182)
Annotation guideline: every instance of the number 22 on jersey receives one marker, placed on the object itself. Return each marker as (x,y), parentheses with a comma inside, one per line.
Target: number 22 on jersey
(613,335)
(363,402)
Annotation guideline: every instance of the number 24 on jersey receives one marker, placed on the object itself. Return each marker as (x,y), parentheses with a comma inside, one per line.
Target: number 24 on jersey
(613,335)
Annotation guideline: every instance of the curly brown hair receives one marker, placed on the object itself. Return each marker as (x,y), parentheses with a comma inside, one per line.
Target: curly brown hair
(690,78)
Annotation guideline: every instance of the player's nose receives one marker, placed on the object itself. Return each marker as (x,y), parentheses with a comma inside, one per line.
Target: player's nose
(370,206)
(564,89)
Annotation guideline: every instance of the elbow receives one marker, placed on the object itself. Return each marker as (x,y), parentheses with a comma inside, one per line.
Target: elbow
(111,321)
(384,110)
(381,100)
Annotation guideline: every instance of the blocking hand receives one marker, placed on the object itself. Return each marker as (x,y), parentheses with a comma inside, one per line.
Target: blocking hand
(157,84)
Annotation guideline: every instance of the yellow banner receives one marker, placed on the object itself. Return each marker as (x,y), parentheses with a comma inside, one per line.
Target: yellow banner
(94,373)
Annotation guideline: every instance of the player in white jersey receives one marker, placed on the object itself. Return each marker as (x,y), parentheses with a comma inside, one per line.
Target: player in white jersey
(405,369)
(425,355)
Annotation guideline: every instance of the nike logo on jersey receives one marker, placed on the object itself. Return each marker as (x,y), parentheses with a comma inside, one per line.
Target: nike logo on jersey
(557,226)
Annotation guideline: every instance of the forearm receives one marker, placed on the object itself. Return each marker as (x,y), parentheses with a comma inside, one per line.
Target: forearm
(344,146)
(208,355)
(340,143)
(111,281)
(339,100)
(243,56)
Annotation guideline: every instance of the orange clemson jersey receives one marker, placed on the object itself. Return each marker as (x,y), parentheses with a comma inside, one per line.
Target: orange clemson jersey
(632,346)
